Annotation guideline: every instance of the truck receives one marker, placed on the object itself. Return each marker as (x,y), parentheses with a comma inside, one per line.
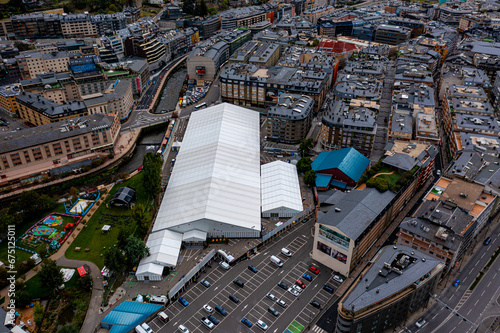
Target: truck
(275,260)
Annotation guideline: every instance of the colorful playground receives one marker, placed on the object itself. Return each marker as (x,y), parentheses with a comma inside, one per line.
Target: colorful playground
(49,232)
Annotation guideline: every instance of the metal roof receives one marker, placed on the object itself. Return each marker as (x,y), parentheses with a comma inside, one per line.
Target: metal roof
(348,160)
(128,314)
(216,177)
(280,186)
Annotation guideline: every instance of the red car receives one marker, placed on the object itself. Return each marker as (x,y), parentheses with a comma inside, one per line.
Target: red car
(140,168)
(313,269)
(300,284)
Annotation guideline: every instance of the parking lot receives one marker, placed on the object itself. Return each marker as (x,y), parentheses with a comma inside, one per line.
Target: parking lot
(253,303)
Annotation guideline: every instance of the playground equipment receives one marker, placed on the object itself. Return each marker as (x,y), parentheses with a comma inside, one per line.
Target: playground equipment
(42,231)
(53,220)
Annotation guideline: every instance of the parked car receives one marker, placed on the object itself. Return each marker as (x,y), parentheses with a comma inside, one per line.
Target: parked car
(208,308)
(281,303)
(307,277)
(207,323)
(262,325)
(286,252)
(300,284)
(205,283)
(213,319)
(239,283)
(252,268)
(338,279)
(315,304)
(234,298)
(313,269)
(282,285)
(328,288)
(220,310)
(273,311)
(293,291)
(246,322)
(183,301)
(456,283)
(271,297)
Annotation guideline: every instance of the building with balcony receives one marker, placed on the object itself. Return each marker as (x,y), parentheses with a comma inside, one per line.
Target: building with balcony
(289,121)
(77,26)
(58,88)
(391,34)
(398,282)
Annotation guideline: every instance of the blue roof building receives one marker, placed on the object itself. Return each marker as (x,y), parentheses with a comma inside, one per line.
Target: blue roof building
(339,168)
(126,316)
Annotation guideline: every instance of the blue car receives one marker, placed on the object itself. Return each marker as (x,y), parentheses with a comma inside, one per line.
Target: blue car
(220,310)
(246,322)
(183,301)
(213,319)
(328,288)
(307,277)
(456,283)
(252,268)
(487,241)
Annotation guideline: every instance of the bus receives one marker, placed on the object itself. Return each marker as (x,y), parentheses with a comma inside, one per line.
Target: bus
(200,106)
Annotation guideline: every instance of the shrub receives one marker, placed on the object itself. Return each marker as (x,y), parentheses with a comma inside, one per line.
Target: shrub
(38,314)
(377,166)
(370,173)
(372,182)
(382,185)
(402,181)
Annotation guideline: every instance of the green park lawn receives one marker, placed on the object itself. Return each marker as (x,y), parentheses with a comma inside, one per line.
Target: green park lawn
(392,178)
(92,237)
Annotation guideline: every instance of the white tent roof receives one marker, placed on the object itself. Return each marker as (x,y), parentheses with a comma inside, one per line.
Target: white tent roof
(149,269)
(216,174)
(164,247)
(280,186)
(194,236)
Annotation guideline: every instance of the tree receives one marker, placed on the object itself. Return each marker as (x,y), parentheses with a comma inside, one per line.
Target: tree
(203,11)
(304,165)
(135,250)
(224,4)
(142,217)
(152,164)
(73,191)
(310,178)
(188,7)
(212,11)
(38,312)
(30,204)
(114,259)
(315,42)
(122,237)
(305,146)
(69,328)
(22,298)
(85,283)
(50,275)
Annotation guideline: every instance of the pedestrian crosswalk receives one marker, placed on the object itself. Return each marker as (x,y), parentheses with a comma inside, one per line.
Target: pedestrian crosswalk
(318,329)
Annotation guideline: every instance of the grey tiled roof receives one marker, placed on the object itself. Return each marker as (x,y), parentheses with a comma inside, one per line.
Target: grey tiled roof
(12,141)
(358,209)
(374,288)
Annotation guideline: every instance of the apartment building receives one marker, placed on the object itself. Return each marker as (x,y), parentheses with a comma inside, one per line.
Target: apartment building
(77,26)
(290,120)
(8,94)
(36,25)
(33,152)
(417,27)
(242,17)
(356,87)
(391,34)
(399,282)
(313,14)
(451,215)
(58,88)
(109,22)
(117,99)
(32,63)
(38,110)
(146,46)
(350,124)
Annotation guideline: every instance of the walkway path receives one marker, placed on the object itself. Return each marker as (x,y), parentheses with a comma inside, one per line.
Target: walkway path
(383,173)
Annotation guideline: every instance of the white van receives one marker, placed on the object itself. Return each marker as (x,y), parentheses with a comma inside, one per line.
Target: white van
(146,328)
(276,261)
(224,265)
(286,252)
(139,329)
(163,316)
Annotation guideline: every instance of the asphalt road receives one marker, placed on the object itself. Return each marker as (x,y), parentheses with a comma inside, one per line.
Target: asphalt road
(253,304)
(459,310)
